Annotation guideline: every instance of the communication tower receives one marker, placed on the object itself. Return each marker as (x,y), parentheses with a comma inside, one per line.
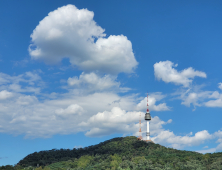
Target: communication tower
(140,132)
(147,119)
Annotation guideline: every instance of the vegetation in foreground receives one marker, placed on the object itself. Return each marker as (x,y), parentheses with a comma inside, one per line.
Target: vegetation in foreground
(119,153)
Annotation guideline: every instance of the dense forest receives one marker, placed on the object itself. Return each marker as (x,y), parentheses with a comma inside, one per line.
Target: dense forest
(119,153)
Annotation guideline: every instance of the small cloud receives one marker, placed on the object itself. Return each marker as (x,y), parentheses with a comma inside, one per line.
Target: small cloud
(89,82)
(72,109)
(211,150)
(21,63)
(93,81)
(164,71)
(214,103)
(77,147)
(220,86)
(205,147)
(170,121)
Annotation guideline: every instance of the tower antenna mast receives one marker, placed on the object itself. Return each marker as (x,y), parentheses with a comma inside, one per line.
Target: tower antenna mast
(147,110)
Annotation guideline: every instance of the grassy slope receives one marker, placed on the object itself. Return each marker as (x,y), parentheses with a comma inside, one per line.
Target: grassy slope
(124,153)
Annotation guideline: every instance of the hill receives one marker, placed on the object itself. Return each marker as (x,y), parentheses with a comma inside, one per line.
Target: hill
(121,153)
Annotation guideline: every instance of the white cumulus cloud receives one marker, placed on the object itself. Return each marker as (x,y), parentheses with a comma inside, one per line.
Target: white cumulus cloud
(4,94)
(94,82)
(27,82)
(198,97)
(68,32)
(218,134)
(72,109)
(119,121)
(195,98)
(215,103)
(26,100)
(215,95)
(108,122)
(211,150)
(164,71)
(178,142)
(43,115)
(218,148)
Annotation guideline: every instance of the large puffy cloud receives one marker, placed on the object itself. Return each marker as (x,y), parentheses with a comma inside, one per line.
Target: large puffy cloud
(115,121)
(164,71)
(72,33)
(25,114)
(119,121)
(44,115)
(53,113)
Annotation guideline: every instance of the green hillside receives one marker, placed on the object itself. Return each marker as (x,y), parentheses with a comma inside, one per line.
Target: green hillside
(121,153)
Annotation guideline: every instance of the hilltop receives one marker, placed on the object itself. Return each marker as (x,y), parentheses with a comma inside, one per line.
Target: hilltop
(121,153)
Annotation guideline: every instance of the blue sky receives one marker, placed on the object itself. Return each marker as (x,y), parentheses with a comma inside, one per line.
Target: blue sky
(76,73)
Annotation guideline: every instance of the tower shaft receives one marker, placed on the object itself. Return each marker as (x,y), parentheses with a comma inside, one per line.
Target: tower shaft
(147,130)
